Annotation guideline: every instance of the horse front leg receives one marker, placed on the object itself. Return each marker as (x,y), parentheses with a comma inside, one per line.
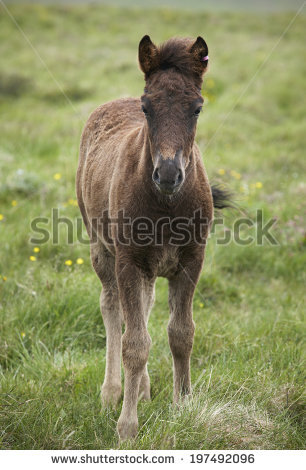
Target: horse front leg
(136,344)
(181,325)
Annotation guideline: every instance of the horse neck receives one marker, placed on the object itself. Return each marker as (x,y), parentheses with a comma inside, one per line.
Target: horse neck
(145,161)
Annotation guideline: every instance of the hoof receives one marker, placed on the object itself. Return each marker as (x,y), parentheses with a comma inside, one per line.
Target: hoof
(127,430)
(110,395)
(182,398)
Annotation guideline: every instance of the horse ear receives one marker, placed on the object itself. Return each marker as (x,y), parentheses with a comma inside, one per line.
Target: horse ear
(147,55)
(199,50)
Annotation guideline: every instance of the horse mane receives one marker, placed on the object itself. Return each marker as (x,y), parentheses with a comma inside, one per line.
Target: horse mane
(175,53)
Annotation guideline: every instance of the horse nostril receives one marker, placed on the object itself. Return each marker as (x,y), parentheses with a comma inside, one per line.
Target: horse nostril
(179,178)
(156,176)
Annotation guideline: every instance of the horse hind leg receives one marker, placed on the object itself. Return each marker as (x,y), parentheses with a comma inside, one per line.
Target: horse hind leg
(103,263)
(111,388)
(148,300)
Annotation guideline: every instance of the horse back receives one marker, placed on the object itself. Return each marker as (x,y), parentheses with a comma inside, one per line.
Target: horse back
(107,132)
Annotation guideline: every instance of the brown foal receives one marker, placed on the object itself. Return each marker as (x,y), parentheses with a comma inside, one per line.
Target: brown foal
(140,172)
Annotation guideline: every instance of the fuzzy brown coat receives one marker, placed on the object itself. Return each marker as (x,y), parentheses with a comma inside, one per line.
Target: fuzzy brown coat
(123,144)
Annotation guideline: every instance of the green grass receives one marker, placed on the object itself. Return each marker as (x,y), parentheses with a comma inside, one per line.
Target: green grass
(247,362)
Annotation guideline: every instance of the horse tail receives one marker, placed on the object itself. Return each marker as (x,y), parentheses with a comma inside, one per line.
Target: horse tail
(222,198)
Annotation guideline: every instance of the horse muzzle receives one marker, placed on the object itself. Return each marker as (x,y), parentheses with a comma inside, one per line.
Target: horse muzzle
(169,174)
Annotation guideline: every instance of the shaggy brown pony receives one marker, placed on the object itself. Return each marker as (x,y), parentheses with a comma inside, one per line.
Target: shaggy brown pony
(140,176)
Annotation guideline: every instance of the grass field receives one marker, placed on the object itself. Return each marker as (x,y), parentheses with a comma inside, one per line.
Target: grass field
(247,362)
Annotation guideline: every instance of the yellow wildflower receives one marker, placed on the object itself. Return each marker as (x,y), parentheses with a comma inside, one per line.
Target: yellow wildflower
(210,98)
(14,203)
(36,249)
(72,202)
(221,171)
(32,258)
(258,185)
(22,334)
(201,305)
(79,261)
(210,83)
(68,262)
(235,174)
(4,278)
(1,216)
(57,176)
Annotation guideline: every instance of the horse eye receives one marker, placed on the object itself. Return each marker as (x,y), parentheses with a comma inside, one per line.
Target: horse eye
(145,111)
(198,110)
